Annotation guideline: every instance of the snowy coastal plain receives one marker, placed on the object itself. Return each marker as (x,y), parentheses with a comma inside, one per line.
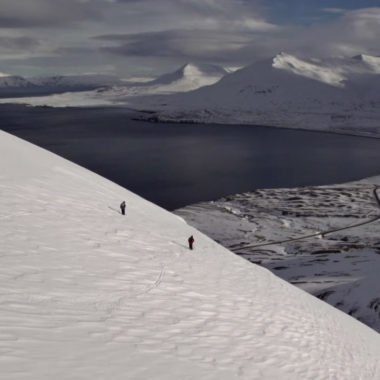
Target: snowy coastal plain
(87,293)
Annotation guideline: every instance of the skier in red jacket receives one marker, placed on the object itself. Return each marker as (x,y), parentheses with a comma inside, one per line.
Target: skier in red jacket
(191,241)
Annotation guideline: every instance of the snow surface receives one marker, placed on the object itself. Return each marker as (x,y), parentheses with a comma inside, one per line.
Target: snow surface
(87,293)
(266,227)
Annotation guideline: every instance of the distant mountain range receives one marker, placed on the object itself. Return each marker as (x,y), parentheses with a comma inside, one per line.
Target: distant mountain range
(15,86)
(332,94)
(188,77)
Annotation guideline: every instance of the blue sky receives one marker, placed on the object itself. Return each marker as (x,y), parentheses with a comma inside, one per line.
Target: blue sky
(149,37)
(307,12)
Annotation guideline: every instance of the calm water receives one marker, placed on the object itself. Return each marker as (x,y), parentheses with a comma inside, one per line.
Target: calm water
(176,164)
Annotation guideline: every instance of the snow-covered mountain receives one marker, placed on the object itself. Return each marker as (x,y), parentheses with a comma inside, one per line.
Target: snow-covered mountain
(333,71)
(13,81)
(16,86)
(187,78)
(89,81)
(112,91)
(88,293)
(190,77)
(332,94)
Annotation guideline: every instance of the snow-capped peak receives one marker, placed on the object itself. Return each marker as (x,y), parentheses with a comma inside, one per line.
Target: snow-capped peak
(190,77)
(187,78)
(204,69)
(373,63)
(333,71)
(329,75)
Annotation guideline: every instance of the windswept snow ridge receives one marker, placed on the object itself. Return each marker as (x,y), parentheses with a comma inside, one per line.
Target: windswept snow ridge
(87,293)
(188,77)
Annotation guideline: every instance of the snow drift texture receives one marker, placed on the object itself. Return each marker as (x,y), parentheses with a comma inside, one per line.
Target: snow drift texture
(87,293)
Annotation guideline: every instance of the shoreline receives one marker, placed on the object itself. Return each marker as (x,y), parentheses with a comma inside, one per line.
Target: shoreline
(154,119)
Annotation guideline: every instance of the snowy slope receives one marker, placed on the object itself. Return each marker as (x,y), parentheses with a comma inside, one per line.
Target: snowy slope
(267,227)
(86,293)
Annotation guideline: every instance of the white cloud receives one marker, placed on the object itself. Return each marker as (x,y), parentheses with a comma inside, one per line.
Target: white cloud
(334,10)
(46,13)
(353,33)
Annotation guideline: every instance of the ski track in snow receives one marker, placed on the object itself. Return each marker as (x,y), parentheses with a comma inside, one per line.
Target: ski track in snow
(86,293)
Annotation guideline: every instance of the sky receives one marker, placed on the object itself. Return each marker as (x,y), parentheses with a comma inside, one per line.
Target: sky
(146,38)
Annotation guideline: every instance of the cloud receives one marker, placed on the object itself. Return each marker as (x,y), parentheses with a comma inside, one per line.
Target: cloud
(45,13)
(334,10)
(187,30)
(199,45)
(353,33)
(17,43)
(160,15)
(75,35)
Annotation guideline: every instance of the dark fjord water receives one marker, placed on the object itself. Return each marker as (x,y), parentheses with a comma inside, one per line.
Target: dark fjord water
(176,164)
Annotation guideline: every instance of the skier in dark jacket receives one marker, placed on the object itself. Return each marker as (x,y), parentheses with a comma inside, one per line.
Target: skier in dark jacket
(191,241)
(122,207)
